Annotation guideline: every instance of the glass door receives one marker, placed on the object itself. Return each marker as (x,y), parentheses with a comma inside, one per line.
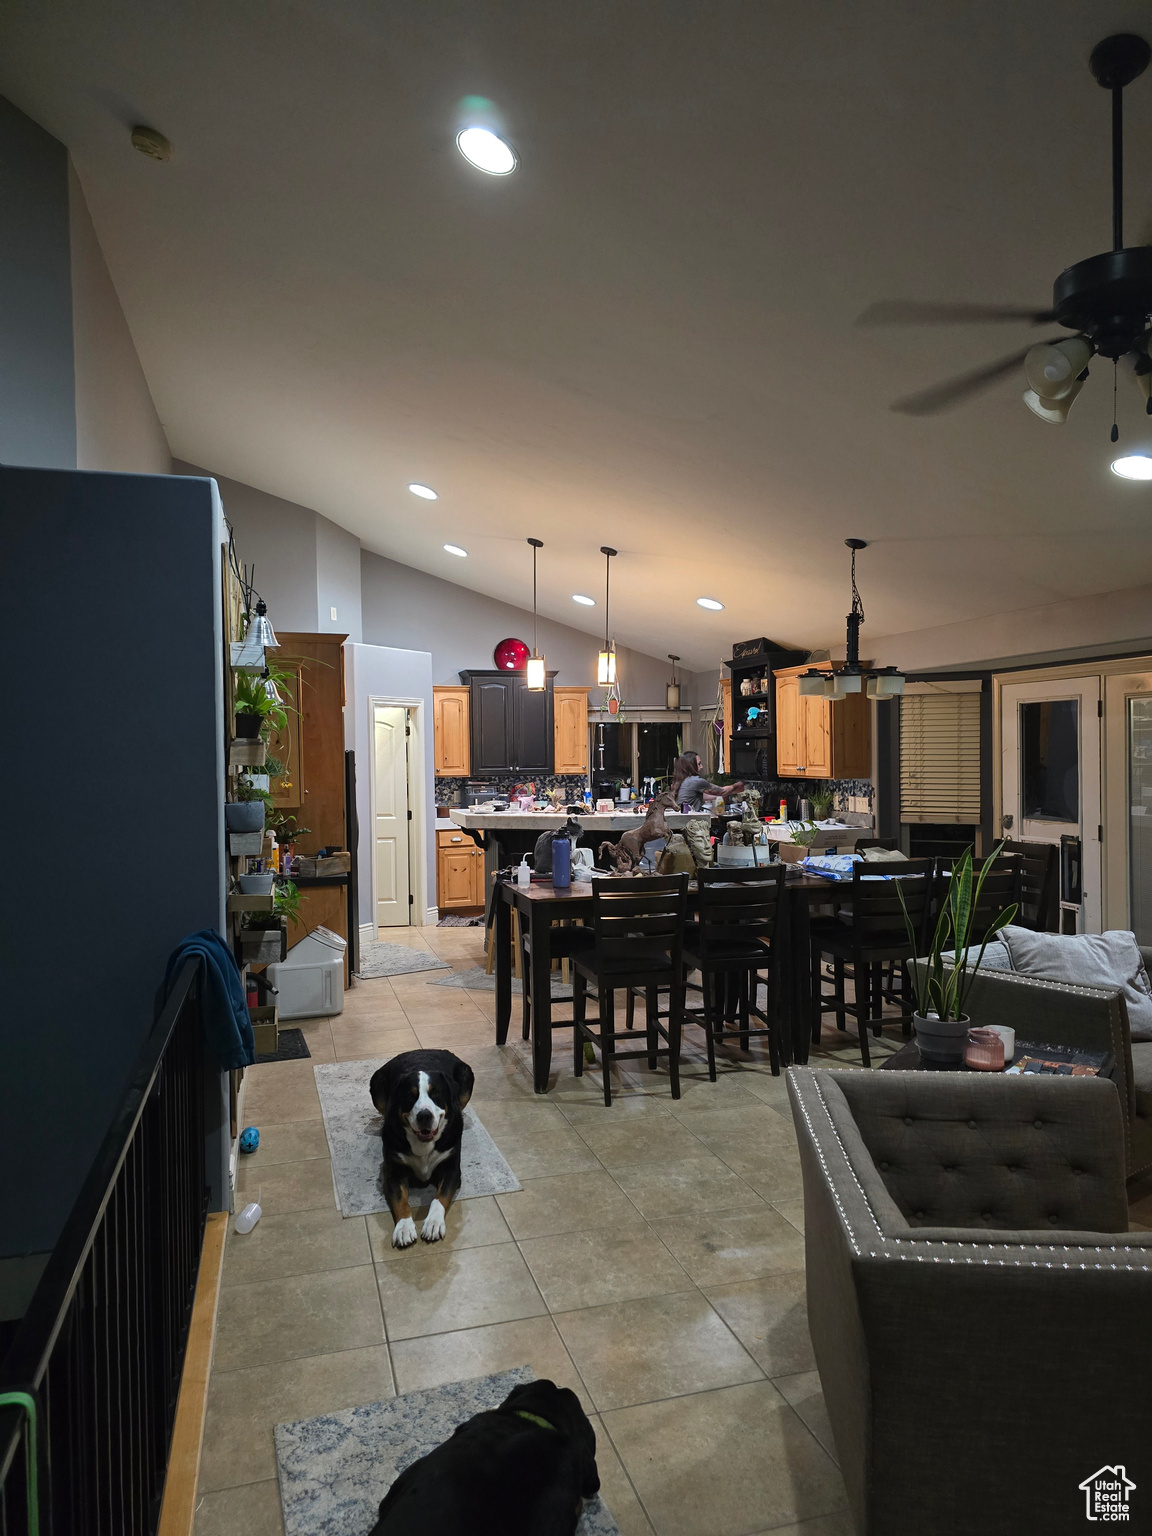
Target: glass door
(1128,818)
(1050,782)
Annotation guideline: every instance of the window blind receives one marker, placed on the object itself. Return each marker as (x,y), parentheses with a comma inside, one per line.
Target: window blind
(940,757)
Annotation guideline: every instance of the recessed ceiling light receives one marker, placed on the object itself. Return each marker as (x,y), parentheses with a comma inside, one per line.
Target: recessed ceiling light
(486,151)
(425,491)
(709,602)
(454,549)
(1134,466)
(578,597)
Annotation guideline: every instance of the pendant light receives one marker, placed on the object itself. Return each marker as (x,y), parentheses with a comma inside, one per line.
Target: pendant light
(672,692)
(877,682)
(534,666)
(260,630)
(606,661)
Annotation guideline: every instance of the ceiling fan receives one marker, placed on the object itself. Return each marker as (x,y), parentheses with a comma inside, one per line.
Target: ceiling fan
(1105,301)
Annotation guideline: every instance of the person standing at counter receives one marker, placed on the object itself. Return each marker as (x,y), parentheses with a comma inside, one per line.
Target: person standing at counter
(689,785)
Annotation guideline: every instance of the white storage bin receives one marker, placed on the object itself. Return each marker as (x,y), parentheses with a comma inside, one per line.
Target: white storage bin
(310,982)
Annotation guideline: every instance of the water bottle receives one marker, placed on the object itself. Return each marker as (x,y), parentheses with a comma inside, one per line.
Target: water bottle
(561,861)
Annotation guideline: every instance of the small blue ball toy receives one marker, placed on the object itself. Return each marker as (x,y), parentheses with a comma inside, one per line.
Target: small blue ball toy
(249,1139)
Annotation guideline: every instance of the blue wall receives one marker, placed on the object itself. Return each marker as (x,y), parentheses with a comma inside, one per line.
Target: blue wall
(111,777)
(37,373)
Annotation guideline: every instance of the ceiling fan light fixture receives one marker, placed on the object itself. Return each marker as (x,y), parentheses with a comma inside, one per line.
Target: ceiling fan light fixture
(1055,411)
(1052,367)
(1133,466)
(814,684)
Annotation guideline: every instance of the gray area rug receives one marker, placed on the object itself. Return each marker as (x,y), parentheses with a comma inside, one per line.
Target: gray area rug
(335,1469)
(353,1129)
(476,981)
(454,920)
(395,960)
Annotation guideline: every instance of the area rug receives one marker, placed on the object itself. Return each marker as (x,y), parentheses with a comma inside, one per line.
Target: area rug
(454,920)
(353,1129)
(395,960)
(476,981)
(335,1469)
(290,1046)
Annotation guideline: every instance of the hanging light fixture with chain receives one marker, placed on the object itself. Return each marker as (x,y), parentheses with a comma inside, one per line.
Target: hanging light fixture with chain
(877,682)
(606,661)
(672,692)
(534,667)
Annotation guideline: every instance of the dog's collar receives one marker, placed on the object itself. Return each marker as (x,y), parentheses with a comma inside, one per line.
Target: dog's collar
(534,1418)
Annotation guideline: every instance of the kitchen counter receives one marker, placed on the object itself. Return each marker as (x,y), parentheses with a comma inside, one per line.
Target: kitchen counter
(542,821)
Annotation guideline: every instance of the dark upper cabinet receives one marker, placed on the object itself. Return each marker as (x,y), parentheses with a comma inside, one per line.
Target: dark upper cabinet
(511,728)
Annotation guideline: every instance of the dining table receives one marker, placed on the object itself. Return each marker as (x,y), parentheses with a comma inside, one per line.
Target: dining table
(541,904)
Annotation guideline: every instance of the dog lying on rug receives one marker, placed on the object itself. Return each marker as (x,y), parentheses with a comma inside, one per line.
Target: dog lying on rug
(523,1469)
(421,1096)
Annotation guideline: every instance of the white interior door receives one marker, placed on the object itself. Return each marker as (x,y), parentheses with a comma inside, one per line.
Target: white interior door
(1050,774)
(1128,803)
(393,886)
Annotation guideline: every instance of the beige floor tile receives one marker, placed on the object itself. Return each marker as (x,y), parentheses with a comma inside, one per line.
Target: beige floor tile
(720,1248)
(590,1269)
(582,1105)
(804,1394)
(522,1118)
(700,1183)
(568,1203)
(724,1463)
(353,1041)
(243,1407)
(637,1351)
(639,1139)
(754,1126)
(305,1186)
(295,1243)
(279,1091)
(545,1153)
(317,1037)
(290,1141)
(471,1224)
(839,1524)
(775,1174)
(616,1488)
(699,1095)
(438,1291)
(253,1510)
(297,1316)
(769,1090)
(415,938)
(769,1316)
(791,1210)
(534,1341)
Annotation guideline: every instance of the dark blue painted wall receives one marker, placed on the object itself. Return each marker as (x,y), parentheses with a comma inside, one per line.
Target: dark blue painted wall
(111,783)
(37,372)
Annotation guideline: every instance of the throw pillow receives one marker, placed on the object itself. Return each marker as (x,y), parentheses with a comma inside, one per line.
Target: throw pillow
(884,856)
(1088,960)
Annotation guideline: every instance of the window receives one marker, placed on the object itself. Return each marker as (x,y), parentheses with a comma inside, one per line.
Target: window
(1049,760)
(940,756)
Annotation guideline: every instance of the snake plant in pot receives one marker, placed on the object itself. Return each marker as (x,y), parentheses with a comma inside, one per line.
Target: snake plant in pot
(941,985)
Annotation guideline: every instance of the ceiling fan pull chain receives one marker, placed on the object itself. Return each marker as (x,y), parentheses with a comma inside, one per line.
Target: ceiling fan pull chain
(1115,433)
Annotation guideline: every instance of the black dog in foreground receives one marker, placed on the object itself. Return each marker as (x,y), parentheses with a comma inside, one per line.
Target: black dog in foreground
(523,1469)
(421,1095)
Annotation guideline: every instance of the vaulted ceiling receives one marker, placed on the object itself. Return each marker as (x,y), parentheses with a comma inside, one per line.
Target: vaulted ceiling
(643,337)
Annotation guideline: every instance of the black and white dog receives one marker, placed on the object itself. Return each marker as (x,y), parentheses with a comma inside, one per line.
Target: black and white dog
(523,1469)
(421,1095)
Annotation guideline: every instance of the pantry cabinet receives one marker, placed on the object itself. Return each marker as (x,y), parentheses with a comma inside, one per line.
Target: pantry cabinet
(459,872)
(821,738)
(570,733)
(450,732)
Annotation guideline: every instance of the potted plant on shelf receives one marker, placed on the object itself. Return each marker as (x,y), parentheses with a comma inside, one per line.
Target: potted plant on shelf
(821,802)
(264,936)
(941,986)
(259,703)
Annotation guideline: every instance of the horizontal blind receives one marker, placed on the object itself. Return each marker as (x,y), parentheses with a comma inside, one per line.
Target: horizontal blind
(940,757)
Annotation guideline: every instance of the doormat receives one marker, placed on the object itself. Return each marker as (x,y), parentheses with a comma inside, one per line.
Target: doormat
(476,981)
(290,1046)
(334,1470)
(395,960)
(353,1130)
(454,920)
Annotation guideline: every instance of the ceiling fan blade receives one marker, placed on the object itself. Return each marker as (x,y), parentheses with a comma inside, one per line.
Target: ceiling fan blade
(902,312)
(941,397)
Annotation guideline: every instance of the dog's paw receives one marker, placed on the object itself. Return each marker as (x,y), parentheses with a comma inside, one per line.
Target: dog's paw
(404,1233)
(433,1229)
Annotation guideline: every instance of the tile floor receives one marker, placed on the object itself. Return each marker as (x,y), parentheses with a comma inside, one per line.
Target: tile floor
(654,1262)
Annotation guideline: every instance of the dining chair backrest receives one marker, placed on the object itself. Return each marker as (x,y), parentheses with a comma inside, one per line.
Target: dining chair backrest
(739,906)
(1039,884)
(1000,888)
(879,904)
(639,913)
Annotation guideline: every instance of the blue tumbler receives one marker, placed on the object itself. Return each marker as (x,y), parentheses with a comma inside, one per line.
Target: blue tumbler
(561,861)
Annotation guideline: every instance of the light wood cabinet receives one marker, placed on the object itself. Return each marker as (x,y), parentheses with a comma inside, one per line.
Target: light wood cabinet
(459,871)
(450,732)
(726,697)
(570,728)
(819,738)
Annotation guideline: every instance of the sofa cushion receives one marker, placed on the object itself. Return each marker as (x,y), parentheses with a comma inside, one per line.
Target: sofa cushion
(996,957)
(1142,1078)
(1089,960)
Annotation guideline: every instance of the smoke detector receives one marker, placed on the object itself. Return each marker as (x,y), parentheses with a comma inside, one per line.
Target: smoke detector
(151,143)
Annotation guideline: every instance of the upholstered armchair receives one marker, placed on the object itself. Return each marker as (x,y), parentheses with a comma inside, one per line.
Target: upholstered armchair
(980,1315)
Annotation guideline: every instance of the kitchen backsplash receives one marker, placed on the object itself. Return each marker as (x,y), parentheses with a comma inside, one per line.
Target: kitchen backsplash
(451,791)
(847,794)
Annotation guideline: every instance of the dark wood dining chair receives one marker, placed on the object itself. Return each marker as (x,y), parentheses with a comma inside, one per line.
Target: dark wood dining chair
(565,939)
(739,915)
(638,939)
(1039,885)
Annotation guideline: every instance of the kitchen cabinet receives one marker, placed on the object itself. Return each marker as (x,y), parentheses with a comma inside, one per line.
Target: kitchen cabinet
(511,728)
(459,871)
(726,699)
(450,732)
(821,738)
(570,735)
